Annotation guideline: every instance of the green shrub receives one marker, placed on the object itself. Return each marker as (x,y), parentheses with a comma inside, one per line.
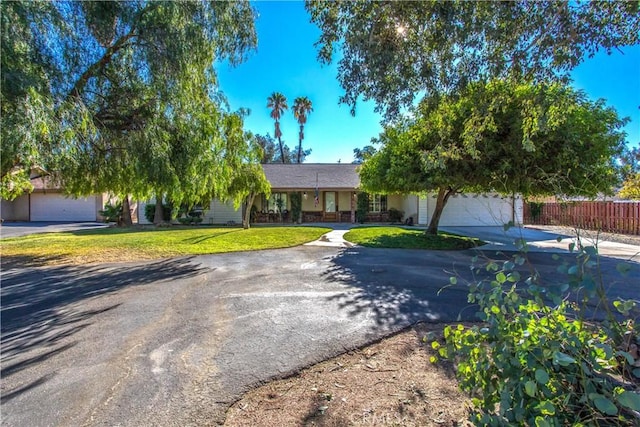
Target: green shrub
(536,360)
(395,215)
(536,210)
(150,212)
(296,206)
(112,213)
(362,207)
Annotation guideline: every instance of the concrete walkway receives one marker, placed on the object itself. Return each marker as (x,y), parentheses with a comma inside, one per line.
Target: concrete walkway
(334,238)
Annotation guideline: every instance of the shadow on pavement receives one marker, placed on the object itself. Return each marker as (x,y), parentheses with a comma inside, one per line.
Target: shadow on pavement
(35,314)
(400,287)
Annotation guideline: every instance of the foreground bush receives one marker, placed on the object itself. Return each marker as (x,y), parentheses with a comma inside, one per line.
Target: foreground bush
(536,360)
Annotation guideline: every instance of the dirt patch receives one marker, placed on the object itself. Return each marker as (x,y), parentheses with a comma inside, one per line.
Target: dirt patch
(390,383)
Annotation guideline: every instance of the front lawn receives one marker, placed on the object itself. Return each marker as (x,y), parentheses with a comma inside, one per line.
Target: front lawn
(402,238)
(132,244)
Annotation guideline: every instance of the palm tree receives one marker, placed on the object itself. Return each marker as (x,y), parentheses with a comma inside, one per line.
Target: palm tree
(301,109)
(278,103)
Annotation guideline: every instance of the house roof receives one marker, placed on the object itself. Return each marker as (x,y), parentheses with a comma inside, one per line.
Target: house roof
(44,182)
(306,176)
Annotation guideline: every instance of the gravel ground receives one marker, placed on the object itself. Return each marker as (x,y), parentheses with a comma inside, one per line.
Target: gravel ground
(590,235)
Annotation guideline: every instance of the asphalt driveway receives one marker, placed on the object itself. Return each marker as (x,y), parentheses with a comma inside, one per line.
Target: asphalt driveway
(17,229)
(174,342)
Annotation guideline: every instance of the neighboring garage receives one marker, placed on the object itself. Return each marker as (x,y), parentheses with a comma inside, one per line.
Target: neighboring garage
(57,207)
(51,206)
(49,203)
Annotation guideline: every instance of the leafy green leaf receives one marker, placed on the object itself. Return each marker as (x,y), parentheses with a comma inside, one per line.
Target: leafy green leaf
(542,376)
(542,422)
(591,250)
(530,388)
(453,280)
(630,400)
(623,268)
(628,357)
(563,359)
(605,406)
(547,408)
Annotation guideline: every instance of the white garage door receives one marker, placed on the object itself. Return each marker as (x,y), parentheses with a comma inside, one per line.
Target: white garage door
(471,210)
(56,207)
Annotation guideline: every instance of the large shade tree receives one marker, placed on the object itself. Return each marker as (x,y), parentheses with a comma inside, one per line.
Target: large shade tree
(362,154)
(483,140)
(277,102)
(120,82)
(302,106)
(630,166)
(271,154)
(25,110)
(393,52)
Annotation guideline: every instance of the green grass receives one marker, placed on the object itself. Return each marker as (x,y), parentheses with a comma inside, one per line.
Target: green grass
(122,244)
(401,238)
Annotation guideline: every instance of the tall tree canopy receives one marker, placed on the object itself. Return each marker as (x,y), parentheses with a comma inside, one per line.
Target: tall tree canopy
(130,91)
(532,139)
(302,106)
(277,102)
(393,51)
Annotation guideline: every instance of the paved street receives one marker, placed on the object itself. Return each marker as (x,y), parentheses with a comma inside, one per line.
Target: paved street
(175,342)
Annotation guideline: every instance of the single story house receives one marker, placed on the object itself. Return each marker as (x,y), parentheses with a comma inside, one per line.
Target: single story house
(329,194)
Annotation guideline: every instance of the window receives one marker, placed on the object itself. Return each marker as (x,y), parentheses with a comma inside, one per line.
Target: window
(377,203)
(275,202)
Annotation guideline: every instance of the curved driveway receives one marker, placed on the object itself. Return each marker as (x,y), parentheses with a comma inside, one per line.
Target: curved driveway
(174,342)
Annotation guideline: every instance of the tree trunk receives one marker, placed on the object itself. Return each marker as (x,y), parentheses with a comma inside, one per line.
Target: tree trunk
(300,142)
(441,201)
(278,135)
(158,217)
(94,68)
(246,222)
(281,150)
(126,212)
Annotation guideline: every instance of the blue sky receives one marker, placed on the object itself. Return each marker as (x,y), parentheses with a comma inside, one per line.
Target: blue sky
(285,61)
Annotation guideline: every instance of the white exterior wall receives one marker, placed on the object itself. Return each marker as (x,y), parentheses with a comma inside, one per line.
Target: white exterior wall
(216,213)
(222,213)
(423,211)
(142,219)
(16,209)
(473,210)
(410,208)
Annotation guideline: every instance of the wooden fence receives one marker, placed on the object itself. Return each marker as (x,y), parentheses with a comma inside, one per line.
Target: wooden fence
(613,217)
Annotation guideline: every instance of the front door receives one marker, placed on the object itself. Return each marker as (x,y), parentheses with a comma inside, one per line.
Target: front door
(330,209)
